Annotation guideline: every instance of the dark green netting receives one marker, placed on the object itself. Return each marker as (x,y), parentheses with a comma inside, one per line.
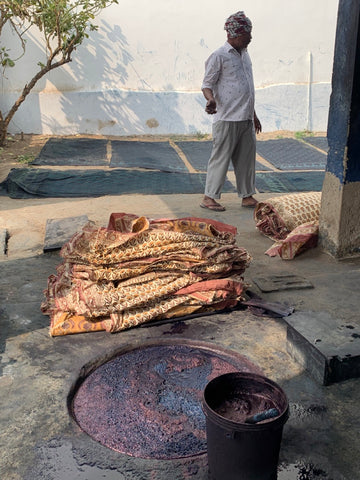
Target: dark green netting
(291,154)
(151,155)
(32,182)
(198,154)
(284,182)
(73,151)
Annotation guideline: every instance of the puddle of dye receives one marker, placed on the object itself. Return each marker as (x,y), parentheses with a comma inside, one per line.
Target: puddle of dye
(58,463)
(242,406)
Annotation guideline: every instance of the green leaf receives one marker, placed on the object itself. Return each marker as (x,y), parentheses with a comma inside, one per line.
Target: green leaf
(7,62)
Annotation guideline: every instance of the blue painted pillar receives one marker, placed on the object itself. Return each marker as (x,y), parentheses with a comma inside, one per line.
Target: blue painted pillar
(340,205)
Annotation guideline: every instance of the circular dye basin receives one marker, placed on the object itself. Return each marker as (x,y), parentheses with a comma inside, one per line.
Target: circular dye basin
(146,401)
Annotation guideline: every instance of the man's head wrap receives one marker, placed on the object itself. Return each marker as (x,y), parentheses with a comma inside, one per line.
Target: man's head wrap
(237,24)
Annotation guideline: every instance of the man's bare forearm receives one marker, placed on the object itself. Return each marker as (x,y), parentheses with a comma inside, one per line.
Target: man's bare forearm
(211,103)
(208,94)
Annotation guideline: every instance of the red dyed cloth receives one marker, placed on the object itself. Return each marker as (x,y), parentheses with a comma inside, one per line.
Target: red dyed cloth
(301,238)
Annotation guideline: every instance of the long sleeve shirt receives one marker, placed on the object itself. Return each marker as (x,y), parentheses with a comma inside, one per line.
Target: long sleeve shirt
(228,74)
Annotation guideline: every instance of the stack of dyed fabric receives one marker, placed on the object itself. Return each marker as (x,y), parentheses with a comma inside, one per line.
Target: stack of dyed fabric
(137,270)
(291,220)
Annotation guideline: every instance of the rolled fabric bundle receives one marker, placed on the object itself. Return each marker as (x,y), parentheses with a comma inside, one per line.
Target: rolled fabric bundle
(278,216)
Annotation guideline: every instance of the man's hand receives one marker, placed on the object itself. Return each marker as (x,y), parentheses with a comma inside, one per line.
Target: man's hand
(257,124)
(210,107)
(210,104)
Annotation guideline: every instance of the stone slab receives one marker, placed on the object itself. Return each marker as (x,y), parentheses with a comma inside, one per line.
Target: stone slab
(285,281)
(327,347)
(60,230)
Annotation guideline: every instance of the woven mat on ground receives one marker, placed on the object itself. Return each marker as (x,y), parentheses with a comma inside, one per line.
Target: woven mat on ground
(278,217)
(32,182)
(198,154)
(73,151)
(285,182)
(291,154)
(152,155)
(113,153)
(138,270)
(318,142)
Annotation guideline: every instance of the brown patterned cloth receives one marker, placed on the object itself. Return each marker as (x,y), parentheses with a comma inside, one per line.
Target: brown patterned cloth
(138,269)
(291,220)
(278,216)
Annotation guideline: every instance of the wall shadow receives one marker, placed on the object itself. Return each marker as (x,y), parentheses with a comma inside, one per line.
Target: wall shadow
(110,108)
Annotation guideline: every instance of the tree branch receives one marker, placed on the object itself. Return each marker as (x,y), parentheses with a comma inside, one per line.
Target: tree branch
(64,25)
(28,87)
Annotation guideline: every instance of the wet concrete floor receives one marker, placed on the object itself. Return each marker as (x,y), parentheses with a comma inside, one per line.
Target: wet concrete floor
(40,440)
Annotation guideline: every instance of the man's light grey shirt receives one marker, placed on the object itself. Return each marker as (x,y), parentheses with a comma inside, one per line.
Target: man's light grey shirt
(228,74)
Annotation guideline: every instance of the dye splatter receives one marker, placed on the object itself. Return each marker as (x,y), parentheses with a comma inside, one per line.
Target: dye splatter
(300,471)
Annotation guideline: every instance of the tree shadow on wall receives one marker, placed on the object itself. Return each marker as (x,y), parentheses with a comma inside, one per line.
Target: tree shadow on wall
(111,108)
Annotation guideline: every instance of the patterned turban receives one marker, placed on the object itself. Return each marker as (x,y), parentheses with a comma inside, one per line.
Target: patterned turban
(237,24)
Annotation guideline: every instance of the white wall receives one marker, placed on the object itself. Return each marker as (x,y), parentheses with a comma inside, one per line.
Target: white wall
(141,72)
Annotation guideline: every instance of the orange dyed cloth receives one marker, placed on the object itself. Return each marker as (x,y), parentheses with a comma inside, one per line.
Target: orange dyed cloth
(138,269)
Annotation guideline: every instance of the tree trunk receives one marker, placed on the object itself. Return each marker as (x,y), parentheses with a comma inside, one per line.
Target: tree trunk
(3,132)
(4,121)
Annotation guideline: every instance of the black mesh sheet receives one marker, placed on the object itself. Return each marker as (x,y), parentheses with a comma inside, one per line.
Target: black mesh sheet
(150,155)
(291,154)
(318,142)
(284,182)
(198,154)
(73,151)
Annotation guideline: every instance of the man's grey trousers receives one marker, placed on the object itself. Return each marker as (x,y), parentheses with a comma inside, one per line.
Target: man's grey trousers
(235,142)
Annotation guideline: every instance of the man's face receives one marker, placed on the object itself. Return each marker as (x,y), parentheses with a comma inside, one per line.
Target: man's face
(242,41)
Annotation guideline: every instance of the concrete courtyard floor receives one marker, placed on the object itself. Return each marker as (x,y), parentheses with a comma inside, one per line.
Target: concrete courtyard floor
(39,440)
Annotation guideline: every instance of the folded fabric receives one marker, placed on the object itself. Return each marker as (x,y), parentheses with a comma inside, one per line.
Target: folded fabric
(291,220)
(137,270)
(300,239)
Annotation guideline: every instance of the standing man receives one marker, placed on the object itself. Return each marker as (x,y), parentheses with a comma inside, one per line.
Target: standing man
(228,87)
